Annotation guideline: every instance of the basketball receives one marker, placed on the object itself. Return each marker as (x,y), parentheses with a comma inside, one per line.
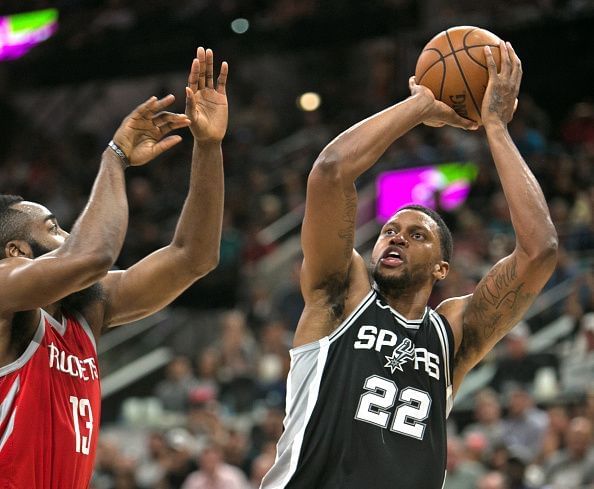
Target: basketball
(453,66)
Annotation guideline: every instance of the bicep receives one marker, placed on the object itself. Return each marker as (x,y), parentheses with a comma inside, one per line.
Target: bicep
(328,230)
(31,283)
(498,303)
(147,286)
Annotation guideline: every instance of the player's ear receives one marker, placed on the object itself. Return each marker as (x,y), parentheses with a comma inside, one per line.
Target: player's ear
(440,270)
(18,247)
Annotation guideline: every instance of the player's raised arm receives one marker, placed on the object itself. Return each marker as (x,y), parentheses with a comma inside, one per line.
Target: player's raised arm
(505,293)
(329,225)
(72,262)
(155,281)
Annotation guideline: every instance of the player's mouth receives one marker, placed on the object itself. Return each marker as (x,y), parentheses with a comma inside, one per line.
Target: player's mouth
(391,258)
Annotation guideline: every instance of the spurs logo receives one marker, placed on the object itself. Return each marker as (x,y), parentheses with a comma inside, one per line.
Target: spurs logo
(404,352)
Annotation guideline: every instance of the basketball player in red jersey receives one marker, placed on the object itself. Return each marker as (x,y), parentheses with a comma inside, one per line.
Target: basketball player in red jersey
(57,293)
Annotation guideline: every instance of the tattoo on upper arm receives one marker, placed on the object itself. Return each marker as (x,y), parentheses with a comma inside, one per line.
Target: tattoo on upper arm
(498,303)
(347,233)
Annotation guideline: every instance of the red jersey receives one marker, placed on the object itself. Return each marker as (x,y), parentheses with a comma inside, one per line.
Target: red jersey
(50,401)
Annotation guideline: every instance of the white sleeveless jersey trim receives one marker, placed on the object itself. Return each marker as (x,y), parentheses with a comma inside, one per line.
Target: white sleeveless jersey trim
(303,388)
(442,334)
(29,351)
(407,323)
(86,327)
(6,406)
(342,327)
(60,327)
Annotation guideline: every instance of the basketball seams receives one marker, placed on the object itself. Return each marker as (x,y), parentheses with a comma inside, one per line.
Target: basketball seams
(440,60)
(462,74)
(443,58)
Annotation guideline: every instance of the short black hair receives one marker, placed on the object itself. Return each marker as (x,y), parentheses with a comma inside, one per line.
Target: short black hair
(12,224)
(445,235)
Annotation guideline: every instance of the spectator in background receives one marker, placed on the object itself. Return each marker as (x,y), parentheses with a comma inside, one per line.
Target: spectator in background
(261,464)
(238,353)
(288,301)
(525,425)
(518,365)
(493,480)
(274,361)
(151,468)
(214,473)
(207,366)
(573,467)
(174,390)
(487,416)
(553,439)
(179,461)
(461,473)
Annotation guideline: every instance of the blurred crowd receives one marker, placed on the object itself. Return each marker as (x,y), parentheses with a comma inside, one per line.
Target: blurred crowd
(213,419)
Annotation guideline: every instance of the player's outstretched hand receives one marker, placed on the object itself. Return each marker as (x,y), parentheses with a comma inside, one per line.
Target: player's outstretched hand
(439,114)
(501,97)
(141,135)
(206,105)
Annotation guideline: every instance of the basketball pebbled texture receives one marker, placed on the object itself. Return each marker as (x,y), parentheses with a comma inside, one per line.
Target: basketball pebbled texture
(453,66)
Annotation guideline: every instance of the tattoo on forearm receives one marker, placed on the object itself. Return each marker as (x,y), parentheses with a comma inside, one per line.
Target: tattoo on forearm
(498,303)
(347,233)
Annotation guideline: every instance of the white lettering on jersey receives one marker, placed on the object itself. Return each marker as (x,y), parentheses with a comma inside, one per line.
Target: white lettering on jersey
(84,369)
(369,338)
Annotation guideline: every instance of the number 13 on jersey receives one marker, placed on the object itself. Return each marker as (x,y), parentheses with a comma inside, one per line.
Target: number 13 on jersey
(82,414)
(375,404)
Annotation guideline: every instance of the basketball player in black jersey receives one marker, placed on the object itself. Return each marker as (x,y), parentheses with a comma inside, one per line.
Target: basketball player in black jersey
(373,369)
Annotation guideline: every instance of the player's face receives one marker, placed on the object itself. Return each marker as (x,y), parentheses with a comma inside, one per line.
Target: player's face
(406,251)
(45,234)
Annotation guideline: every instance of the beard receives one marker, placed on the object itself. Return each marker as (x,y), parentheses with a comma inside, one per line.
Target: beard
(397,285)
(79,300)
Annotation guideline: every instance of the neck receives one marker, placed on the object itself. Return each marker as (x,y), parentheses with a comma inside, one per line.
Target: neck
(411,304)
(54,310)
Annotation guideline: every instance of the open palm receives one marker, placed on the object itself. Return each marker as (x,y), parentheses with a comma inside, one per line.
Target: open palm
(206,105)
(143,134)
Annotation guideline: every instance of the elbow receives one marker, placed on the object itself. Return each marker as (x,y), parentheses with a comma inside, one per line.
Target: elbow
(205,265)
(327,166)
(545,254)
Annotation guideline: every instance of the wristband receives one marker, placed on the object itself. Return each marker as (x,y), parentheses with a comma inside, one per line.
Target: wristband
(117,150)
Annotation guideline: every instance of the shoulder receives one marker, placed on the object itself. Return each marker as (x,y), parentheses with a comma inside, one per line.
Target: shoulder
(453,310)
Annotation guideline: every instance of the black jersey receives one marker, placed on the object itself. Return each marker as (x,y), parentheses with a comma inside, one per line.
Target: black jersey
(367,405)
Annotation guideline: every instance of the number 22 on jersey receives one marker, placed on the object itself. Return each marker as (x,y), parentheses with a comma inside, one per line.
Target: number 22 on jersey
(82,415)
(380,396)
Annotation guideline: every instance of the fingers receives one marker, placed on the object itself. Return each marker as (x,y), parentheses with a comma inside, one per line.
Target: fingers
(167,143)
(222,79)
(491,65)
(193,76)
(516,70)
(144,108)
(189,100)
(412,82)
(201,55)
(168,121)
(159,105)
(506,64)
(209,68)
(462,123)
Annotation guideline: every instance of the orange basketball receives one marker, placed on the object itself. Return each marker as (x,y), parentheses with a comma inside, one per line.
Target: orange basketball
(453,66)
